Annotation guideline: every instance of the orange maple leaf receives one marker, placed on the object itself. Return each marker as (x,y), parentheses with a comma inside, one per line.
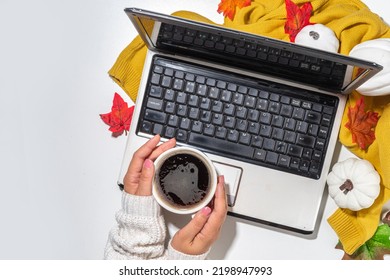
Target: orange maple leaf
(362,124)
(297,18)
(228,7)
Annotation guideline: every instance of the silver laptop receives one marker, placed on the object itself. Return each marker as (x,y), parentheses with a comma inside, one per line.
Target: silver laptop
(267,112)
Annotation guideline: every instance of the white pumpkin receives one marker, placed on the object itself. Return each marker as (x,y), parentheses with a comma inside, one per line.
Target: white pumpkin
(318,36)
(377,50)
(353,184)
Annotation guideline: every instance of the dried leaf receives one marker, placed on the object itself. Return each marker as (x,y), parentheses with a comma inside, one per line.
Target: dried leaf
(297,18)
(228,7)
(374,249)
(362,124)
(119,118)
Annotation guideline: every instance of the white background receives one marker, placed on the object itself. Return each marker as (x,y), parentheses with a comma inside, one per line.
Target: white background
(59,163)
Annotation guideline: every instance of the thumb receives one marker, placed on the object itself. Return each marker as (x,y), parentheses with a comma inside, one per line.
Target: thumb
(195,226)
(146,178)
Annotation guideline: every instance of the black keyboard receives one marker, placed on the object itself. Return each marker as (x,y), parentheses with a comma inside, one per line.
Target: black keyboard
(233,116)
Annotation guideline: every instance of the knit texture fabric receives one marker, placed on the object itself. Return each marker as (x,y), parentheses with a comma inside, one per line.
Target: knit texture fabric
(353,23)
(141,232)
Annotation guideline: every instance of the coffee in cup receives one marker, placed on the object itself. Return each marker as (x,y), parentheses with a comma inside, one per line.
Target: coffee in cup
(185,180)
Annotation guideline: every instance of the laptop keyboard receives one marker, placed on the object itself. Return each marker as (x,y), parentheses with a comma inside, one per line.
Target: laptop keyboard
(228,115)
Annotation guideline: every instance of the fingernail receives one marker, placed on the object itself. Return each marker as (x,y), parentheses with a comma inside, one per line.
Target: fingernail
(148,163)
(206,211)
(220,185)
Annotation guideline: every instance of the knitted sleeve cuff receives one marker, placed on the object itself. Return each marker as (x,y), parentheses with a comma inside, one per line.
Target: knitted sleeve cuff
(349,230)
(140,206)
(140,231)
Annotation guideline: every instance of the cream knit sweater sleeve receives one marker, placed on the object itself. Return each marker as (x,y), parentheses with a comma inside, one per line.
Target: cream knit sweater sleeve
(140,232)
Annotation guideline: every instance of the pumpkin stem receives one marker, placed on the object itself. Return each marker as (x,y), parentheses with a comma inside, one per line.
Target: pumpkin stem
(347,186)
(386,218)
(314,35)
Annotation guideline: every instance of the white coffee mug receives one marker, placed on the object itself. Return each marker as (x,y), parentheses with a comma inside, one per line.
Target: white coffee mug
(185,180)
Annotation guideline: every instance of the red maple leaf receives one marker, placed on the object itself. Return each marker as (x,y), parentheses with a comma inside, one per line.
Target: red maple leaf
(120,116)
(297,18)
(228,7)
(362,124)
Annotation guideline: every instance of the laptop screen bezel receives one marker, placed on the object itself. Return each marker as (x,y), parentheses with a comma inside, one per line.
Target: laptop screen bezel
(369,68)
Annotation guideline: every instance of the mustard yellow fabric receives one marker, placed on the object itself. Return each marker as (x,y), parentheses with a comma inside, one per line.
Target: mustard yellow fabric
(353,23)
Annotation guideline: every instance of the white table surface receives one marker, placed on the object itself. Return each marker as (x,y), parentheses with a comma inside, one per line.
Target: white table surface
(59,163)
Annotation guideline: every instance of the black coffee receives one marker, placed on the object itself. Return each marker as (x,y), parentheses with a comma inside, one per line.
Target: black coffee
(184,179)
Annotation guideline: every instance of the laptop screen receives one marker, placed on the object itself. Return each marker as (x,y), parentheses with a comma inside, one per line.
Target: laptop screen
(287,61)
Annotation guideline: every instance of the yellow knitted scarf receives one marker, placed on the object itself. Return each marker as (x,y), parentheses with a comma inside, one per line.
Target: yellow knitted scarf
(353,23)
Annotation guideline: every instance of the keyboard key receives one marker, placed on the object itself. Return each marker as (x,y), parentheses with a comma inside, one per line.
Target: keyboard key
(313,129)
(166,81)
(284,161)
(185,123)
(257,141)
(158,128)
(155,79)
(155,91)
(241,125)
(306,140)
(326,120)
(302,127)
(244,138)
(294,151)
(168,72)
(181,98)
(169,94)
(280,147)
(155,116)
(197,126)
(298,113)
(221,132)
(271,157)
(314,167)
(286,110)
(269,144)
(232,135)
(146,127)
(260,154)
(219,145)
(154,103)
(201,90)
(294,163)
(323,132)
(217,119)
(313,117)
(290,137)
(173,120)
(317,155)
(290,124)
(170,132)
(254,128)
(178,84)
(181,135)
(209,129)
(265,130)
(304,165)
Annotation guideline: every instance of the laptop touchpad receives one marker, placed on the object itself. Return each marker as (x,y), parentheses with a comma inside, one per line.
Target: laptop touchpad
(232,176)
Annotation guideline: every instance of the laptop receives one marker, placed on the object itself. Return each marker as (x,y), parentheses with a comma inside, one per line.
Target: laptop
(266,112)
